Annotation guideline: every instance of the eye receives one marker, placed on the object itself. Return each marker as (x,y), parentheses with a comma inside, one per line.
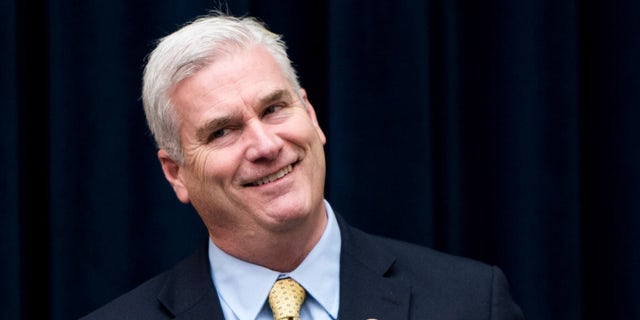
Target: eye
(218,134)
(272,109)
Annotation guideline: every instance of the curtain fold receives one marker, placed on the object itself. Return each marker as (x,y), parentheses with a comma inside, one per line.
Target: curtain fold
(9,181)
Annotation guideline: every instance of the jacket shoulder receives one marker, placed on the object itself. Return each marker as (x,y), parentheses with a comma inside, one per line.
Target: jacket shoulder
(440,283)
(161,297)
(423,261)
(139,303)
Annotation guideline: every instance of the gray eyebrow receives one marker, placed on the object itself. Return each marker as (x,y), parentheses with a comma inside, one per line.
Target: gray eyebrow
(203,132)
(275,96)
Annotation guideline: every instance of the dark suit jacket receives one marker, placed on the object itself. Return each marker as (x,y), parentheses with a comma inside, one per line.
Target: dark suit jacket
(379,279)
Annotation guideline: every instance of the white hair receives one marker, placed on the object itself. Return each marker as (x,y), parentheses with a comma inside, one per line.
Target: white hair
(191,48)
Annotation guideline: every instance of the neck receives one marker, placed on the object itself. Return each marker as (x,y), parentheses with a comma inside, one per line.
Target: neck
(281,251)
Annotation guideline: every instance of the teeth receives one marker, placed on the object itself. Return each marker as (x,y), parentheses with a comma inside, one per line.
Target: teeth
(274,176)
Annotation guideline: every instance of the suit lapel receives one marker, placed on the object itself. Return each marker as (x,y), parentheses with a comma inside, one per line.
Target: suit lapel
(189,292)
(365,291)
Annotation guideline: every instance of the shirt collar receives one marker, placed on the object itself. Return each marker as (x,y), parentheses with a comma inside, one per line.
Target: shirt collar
(244,287)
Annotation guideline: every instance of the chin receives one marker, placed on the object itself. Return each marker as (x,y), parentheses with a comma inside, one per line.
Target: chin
(283,211)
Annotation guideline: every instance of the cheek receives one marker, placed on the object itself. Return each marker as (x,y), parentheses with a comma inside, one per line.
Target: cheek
(320,134)
(307,134)
(198,162)
(201,171)
(216,167)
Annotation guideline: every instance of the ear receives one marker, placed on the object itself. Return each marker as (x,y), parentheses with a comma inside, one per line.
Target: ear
(312,115)
(172,172)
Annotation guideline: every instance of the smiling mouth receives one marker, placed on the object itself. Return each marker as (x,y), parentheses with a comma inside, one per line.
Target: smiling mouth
(273,177)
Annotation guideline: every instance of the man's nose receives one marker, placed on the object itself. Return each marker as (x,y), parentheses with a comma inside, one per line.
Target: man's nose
(264,143)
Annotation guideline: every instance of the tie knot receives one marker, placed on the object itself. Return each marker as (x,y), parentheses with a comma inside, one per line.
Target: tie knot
(285,299)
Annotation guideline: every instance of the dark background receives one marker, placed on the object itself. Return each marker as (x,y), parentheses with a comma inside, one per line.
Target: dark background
(506,131)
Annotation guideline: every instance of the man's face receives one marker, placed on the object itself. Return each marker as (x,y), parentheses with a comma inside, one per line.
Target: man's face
(254,158)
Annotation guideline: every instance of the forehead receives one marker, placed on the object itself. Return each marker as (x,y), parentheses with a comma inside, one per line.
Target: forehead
(242,78)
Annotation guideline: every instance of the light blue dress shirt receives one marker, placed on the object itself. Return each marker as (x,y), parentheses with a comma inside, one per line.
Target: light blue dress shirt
(243,287)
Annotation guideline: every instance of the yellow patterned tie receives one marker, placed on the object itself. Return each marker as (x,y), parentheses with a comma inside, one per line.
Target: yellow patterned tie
(285,299)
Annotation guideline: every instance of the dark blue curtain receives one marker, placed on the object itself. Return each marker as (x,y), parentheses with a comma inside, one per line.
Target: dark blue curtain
(505,131)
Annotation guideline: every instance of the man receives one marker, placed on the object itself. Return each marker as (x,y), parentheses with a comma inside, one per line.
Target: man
(239,140)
